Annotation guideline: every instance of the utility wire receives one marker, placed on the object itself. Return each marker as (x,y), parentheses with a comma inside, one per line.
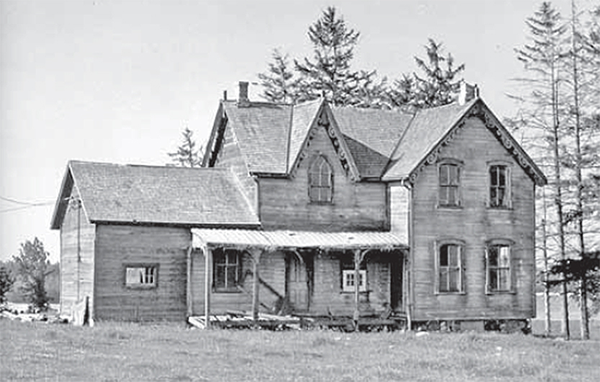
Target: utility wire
(26,207)
(20,202)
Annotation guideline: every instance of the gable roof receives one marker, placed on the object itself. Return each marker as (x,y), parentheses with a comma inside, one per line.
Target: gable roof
(112,193)
(427,129)
(386,145)
(435,127)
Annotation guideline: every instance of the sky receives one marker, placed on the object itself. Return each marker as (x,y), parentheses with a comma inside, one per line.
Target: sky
(118,81)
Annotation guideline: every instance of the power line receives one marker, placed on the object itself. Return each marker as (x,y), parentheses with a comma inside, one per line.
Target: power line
(26,207)
(21,202)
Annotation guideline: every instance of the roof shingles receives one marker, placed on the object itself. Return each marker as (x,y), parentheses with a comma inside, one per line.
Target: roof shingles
(161,195)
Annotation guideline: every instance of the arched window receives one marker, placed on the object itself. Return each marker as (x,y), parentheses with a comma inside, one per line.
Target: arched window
(320,181)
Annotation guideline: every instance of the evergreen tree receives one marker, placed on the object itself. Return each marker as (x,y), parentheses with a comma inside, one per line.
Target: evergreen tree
(31,265)
(439,83)
(187,155)
(542,59)
(329,72)
(279,84)
(436,86)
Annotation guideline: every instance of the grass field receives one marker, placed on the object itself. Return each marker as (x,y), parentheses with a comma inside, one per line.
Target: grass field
(130,352)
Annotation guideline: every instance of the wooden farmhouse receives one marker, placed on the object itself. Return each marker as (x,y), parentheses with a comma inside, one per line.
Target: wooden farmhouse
(311,210)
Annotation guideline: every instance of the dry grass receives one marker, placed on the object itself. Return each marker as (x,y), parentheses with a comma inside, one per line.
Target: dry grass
(129,352)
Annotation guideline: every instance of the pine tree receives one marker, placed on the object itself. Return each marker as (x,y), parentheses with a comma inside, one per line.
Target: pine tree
(279,84)
(439,83)
(542,59)
(436,86)
(187,155)
(329,72)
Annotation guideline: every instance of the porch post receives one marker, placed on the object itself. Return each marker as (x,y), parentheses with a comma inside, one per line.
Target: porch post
(208,270)
(358,257)
(189,299)
(255,253)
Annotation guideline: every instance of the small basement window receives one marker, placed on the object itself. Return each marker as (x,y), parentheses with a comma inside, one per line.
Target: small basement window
(141,276)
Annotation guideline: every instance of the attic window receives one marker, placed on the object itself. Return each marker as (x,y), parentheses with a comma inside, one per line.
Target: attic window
(320,181)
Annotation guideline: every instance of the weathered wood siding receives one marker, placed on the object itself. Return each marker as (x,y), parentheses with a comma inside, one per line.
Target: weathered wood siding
(121,245)
(399,206)
(231,157)
(285,204)
(328,295)
(271,271)
(77,237)
(474,223)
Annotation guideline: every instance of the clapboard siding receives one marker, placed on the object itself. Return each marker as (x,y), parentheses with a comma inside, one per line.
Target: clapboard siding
(285,204)
(231,157)
(271,270)
(474,223)
(120,245)
(328,296)
(77,237)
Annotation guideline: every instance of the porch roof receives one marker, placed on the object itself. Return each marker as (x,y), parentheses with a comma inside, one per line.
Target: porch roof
(285,239)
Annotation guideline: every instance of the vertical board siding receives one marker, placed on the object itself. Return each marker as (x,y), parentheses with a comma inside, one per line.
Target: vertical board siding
(77,276)
(285,204)
(399,198)
(474,223)
(119,245)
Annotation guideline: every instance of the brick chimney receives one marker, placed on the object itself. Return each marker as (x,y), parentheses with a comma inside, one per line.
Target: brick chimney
(243,100)
(467,92)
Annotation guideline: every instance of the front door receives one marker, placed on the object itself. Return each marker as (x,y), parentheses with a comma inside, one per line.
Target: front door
(296,282)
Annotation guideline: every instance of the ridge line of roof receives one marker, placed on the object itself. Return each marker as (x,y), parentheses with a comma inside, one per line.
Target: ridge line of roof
(130,165)
(289,141)
(387,165)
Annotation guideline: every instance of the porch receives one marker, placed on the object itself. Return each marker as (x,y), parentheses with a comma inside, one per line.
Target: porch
(331,278)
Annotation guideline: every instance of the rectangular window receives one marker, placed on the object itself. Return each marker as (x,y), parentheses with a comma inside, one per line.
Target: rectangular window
(449,184)
(498,267)
(450,268)
(499,186)
(141,276)
(349,280)
(227,270)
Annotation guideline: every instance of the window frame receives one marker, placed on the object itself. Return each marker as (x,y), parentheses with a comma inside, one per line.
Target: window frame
(348,274)
(489,268)
(322,162)
(459,169)
(507,204)
(461,267)
(153,284)
(222,253)
(347,271)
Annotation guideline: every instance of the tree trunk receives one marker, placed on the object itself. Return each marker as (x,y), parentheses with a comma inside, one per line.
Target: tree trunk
(585,325)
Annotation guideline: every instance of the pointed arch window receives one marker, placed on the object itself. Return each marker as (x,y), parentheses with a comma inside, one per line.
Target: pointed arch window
(320,181)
